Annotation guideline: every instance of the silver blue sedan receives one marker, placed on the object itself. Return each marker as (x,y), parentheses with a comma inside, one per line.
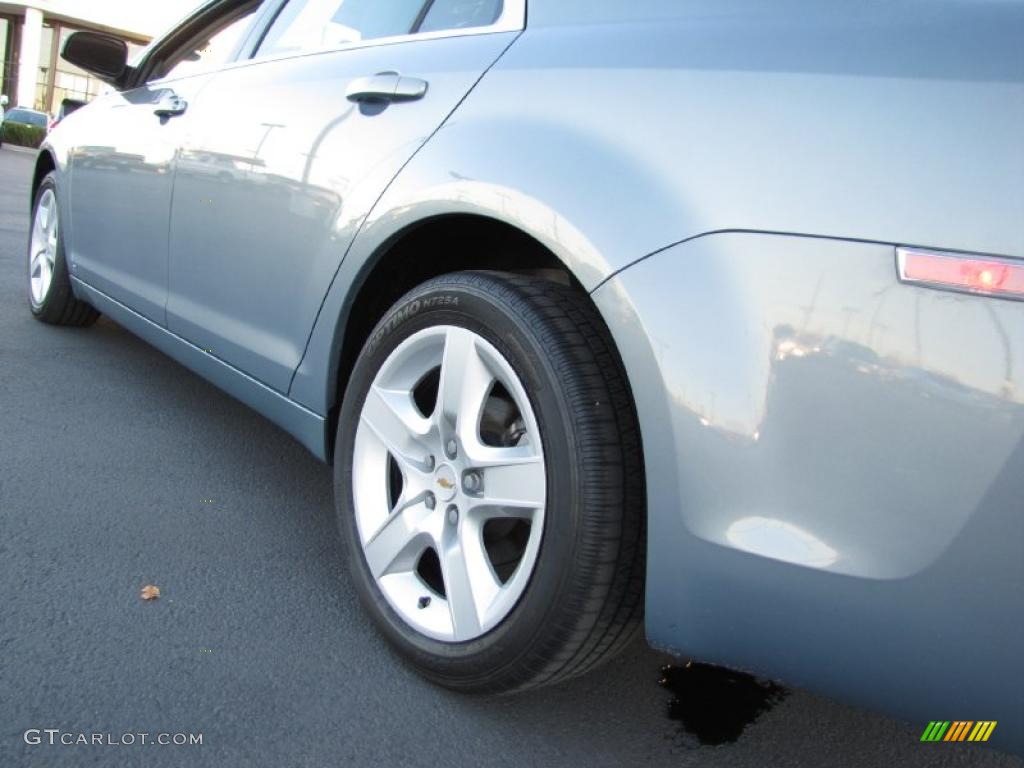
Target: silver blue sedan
(703,318)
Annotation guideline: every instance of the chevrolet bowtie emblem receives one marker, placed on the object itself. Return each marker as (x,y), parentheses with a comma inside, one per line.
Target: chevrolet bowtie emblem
(445,483)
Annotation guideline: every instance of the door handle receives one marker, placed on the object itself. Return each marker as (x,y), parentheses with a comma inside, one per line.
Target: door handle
(386,86)
(170,106)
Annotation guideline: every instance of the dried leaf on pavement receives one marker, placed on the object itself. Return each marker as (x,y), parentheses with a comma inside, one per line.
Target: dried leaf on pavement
(149,592)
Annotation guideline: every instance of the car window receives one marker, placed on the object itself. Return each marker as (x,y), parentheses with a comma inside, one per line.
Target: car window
(213,48)
(311,25)
(26,117)
(460,14)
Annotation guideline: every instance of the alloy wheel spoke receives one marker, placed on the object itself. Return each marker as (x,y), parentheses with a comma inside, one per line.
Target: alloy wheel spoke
(398,544)
(38,230)
(464,384)
(45,272)
(392,417)
(484,510)
(405,502)
(469,581)
(44,213)
(511,477)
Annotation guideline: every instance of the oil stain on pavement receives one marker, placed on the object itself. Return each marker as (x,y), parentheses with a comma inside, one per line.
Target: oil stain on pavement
(714,704)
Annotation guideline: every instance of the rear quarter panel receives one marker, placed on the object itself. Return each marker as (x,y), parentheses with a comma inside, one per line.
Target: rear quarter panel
(834,459)
(645,123)
(835,467)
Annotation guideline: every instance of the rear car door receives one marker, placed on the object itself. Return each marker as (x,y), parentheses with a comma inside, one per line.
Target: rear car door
(288,152)
(121,168)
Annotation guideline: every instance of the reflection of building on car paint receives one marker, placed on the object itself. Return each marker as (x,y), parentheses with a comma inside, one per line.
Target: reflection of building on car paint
(31,38)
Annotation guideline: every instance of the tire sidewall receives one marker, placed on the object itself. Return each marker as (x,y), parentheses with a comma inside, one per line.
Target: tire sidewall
(456,300)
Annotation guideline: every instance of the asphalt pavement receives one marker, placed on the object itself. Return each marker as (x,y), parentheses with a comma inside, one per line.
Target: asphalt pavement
(119,469)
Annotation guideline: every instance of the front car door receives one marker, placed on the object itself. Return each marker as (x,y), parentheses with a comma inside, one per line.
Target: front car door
(289,151)
(122,166)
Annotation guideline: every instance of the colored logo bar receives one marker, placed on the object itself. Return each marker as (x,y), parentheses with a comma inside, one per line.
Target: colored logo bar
(958,730)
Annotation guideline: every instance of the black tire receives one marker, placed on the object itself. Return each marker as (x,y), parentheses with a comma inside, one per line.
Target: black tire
(59,306)
(584,601)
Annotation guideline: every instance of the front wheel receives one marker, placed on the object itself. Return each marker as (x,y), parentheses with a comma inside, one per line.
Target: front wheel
(489,483)
(49,284)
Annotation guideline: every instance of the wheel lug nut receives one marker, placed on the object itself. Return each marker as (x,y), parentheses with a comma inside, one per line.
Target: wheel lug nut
(430,463)
(472,482)
(453,515)
(452,449)
(430,501)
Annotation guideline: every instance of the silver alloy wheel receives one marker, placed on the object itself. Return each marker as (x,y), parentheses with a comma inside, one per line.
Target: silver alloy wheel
(449,483)
(43,247)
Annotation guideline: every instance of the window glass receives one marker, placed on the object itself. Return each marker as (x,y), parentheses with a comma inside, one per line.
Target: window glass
(26,116)
(212,50)
(460,14)
(310,25)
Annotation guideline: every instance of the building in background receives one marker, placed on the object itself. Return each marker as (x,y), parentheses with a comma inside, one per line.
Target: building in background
(31,37)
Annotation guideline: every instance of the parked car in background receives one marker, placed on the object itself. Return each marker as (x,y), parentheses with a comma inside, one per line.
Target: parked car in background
(25,127)
(714,308)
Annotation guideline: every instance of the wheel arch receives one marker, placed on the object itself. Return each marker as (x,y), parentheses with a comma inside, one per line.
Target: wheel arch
(45,163)
(452,242)
(484,169)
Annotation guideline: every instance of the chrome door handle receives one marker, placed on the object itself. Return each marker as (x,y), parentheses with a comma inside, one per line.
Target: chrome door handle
(386,86)
(170,106)
(410,89)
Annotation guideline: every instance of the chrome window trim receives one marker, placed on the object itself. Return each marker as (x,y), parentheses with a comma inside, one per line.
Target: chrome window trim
(512,19)
(210,8)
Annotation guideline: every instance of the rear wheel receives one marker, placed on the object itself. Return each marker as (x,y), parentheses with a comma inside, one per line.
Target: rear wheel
(489,482)
(49,284)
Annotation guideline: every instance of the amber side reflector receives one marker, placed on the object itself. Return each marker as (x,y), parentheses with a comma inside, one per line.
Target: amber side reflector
(985,275)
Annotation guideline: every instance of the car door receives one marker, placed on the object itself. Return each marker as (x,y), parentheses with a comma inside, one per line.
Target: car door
(288,152)
(121,168)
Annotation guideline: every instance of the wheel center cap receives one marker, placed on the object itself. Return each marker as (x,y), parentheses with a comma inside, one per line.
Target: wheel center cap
(445,485)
